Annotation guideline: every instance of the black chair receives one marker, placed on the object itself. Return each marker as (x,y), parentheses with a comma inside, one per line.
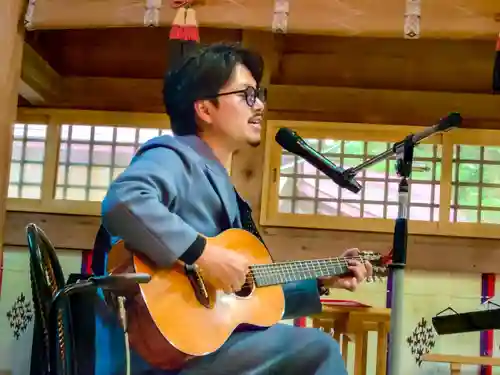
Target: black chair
(65,317)
(47,279)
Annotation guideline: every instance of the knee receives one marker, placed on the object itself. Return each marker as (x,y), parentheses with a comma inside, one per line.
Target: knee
(325,345)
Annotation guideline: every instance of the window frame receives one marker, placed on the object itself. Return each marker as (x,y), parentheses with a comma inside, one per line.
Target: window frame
(54,119)
(270,216)
(475,137)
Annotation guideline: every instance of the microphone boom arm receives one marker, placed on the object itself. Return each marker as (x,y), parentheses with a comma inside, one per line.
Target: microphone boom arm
(445,124)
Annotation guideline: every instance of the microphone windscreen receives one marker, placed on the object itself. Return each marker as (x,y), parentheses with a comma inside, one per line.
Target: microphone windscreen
(496,68)
(287,139)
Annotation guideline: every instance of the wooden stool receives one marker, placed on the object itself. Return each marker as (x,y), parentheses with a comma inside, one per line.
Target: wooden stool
(357,322)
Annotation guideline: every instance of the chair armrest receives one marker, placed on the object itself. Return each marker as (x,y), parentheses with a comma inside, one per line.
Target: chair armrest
(116,283)
(120,284)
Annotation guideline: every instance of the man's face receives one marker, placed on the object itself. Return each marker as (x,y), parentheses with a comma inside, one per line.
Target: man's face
(233,119)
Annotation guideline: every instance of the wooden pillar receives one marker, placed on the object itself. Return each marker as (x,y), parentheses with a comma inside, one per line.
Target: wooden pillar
(247,165)
(11,42)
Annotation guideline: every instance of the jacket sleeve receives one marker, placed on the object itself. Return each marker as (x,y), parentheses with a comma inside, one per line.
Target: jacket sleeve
(136,209)
(301,299)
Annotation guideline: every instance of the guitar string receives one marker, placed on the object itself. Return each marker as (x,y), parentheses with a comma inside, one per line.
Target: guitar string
(283,269)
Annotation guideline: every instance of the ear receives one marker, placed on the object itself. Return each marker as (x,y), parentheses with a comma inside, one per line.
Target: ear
(203,109)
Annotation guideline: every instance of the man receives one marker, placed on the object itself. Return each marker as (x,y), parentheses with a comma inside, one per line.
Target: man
(177,189)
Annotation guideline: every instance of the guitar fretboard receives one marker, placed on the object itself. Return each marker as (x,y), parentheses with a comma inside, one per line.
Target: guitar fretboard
(285,272)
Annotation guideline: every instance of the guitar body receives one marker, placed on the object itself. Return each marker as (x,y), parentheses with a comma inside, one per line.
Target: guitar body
(179,313)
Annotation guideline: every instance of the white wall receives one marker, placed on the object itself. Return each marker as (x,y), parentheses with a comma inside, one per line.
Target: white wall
(15,353)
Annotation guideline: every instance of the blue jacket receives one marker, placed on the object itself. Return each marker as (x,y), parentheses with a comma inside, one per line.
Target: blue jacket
(174,190)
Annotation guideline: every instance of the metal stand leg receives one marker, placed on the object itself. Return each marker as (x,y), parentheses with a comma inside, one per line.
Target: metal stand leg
(123,318)
(397,268)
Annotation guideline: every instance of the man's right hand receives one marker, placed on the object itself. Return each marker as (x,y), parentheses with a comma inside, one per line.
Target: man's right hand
(222,268)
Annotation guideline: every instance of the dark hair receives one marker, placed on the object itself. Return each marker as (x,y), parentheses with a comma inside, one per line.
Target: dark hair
(201,75)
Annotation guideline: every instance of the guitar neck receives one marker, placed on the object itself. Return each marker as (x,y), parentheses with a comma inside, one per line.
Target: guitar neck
(285,272)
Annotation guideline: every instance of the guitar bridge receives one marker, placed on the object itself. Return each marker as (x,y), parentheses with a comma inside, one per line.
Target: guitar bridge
(198,285)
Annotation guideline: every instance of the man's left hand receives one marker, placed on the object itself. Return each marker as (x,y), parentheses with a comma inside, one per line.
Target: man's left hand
(360,271)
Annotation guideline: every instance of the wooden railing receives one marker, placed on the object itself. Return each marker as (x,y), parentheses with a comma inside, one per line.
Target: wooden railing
(456,361)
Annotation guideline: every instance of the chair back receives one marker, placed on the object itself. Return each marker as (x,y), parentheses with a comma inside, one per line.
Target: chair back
(47,278)
(78,333)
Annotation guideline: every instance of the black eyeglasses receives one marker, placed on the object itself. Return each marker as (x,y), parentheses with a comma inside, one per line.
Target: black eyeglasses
(251,94)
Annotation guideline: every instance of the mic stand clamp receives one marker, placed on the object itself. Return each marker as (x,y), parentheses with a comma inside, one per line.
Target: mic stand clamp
(404,166)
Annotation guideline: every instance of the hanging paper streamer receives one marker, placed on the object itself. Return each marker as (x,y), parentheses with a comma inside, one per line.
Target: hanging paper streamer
(28,17)
(412,19)
(152,13)
(280,16)
(496,68)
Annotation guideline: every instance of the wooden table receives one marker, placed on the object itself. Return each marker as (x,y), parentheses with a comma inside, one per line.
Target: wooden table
(345,322)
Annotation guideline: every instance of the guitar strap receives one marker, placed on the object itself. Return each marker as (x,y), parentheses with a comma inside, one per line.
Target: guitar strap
(246,218)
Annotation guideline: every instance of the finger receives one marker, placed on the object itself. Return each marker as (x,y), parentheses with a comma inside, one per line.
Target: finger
(353,262)
(351,252)
(359,272)
(351,284)
(369,269)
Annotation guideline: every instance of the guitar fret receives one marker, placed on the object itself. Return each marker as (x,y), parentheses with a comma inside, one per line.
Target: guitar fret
(284,272)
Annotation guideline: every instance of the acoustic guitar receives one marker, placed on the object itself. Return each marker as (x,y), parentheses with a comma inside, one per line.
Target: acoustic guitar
(194,317)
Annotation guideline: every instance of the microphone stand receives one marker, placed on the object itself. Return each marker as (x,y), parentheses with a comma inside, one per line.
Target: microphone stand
(404,156)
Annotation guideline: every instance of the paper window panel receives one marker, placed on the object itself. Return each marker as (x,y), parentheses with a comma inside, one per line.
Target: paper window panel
(305,190)
(92,156)
(475,194)
(26,167)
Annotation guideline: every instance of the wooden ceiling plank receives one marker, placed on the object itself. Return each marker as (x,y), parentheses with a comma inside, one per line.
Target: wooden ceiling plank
(39,83)
(101,53)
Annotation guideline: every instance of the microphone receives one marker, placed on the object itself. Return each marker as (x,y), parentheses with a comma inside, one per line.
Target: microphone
(293,143)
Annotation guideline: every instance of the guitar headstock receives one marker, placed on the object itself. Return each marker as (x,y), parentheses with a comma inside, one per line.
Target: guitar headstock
(379,263)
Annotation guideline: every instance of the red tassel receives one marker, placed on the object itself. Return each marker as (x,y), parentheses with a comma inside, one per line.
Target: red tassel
(184,32)
(498,43)
(191,33)
(177,32)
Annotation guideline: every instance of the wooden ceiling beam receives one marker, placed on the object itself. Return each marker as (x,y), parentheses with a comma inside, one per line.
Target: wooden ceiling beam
(474,19)
(39,84)
(297,102)
(376,106)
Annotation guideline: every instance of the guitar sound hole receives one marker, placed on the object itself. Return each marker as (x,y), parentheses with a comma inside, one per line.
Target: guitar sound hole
(246,290)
